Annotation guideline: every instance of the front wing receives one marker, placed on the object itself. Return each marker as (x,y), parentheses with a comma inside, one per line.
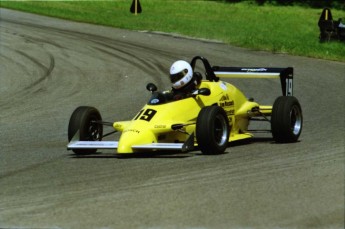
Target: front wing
(186,146)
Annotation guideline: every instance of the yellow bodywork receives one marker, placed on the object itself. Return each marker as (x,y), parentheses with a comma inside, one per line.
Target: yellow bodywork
(153,123)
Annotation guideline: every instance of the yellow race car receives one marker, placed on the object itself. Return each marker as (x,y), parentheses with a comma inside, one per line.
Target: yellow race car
(210,117)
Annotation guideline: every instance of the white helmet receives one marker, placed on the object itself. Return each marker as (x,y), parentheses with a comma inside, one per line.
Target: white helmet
(181,73)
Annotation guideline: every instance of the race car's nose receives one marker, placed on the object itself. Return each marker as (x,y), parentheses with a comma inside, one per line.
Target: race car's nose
(133,137)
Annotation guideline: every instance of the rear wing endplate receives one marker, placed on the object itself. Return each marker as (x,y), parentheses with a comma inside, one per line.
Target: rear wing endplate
(284,74)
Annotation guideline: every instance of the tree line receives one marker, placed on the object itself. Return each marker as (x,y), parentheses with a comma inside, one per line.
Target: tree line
(338,4)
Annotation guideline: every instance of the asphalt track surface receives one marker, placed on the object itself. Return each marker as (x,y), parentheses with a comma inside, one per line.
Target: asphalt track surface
(49,67)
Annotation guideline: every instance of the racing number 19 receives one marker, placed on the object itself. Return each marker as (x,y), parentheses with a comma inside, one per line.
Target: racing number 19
(147,115)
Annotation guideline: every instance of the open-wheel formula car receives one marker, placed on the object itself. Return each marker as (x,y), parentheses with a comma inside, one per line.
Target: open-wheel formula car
(213,115)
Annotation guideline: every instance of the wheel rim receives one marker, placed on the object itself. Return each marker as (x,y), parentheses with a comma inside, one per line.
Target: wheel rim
(94,130)
(296,120)
(220,130)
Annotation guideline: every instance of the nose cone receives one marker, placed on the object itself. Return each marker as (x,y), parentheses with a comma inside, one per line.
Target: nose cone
(131,137)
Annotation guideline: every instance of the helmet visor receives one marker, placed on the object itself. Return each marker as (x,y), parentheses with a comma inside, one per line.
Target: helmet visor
(178,76)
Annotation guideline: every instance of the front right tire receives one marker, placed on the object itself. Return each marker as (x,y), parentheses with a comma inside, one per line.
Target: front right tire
(84,125)
(212,130)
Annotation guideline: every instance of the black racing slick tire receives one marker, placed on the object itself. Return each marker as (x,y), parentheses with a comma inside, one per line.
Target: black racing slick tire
(84,126)
(286,120)
(212,130)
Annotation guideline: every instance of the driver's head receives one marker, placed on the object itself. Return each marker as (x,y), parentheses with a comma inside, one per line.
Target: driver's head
(181,74)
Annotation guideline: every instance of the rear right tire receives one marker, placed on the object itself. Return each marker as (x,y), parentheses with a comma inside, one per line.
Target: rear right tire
(286,120)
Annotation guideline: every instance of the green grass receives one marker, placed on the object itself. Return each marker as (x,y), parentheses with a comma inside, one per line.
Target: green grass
(291,29)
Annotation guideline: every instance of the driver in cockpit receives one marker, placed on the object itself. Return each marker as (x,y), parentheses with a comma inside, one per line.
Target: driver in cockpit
(183,80)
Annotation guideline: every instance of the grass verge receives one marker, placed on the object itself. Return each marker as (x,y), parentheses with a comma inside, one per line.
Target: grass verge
(290,29)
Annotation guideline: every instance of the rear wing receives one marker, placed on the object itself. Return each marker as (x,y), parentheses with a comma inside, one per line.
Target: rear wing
(284,74)
(214,73)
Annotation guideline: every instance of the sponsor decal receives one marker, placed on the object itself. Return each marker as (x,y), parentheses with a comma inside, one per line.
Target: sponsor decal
(224,97)
(289,87)
(160,126)
(254,69)
(132,130)
(226,102)
(230,112)
(223,86)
